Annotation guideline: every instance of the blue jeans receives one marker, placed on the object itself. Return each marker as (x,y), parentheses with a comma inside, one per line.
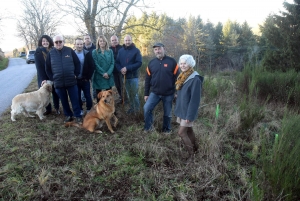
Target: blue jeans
(85,86)
(64,94)
(149,106)
(132,89)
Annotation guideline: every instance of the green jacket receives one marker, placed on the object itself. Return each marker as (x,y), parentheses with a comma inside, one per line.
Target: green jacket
(104,63)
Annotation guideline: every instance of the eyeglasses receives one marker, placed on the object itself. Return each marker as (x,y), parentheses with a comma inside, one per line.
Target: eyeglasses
(58,41)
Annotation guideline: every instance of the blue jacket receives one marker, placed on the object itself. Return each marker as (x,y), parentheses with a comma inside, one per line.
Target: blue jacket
(62,67)
(131,58)
(188,97)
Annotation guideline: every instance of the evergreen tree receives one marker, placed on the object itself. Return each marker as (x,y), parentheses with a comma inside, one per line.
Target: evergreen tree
(282,33)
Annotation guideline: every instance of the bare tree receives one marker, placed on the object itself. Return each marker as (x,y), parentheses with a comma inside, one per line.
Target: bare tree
(38,18)
(0,25)
(105,17)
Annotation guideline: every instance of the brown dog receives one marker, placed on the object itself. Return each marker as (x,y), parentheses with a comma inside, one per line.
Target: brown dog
(35,101)
(102,111)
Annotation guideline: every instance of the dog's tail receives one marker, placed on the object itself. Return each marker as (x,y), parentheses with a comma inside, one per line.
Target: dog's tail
(69,124)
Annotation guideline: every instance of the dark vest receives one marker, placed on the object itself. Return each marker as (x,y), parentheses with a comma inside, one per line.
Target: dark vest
(63,68)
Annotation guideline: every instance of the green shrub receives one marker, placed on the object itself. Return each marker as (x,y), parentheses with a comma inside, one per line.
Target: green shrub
(281,161)
(213,87)
(3,63)
(282,87)
(251,113)
(275,86)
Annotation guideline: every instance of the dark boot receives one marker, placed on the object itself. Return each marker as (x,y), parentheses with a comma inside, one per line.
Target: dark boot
(187,142)
(192,137)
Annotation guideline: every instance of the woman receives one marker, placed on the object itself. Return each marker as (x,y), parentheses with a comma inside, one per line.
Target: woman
(188,86)
(45,44)
(104,66)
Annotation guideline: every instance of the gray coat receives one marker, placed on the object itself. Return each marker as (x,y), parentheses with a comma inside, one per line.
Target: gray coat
(188,97)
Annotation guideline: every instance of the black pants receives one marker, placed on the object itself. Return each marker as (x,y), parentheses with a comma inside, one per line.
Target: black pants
(118,83)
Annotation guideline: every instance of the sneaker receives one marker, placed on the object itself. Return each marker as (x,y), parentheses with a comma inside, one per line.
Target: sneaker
(68,119)
(57,111)
(167,132)
(81,112)
(149,130)
(78,120)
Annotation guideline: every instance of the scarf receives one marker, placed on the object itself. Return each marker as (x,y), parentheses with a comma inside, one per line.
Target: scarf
(182,77)
(45,52)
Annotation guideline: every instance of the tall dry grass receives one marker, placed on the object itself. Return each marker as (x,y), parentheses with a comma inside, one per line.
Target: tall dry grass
(43,160)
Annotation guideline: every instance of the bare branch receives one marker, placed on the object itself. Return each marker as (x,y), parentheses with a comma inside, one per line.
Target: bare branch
(38,18)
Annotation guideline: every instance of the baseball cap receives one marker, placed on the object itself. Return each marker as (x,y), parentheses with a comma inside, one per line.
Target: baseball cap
(158,45)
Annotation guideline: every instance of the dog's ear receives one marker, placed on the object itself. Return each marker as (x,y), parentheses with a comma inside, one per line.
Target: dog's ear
(49,87)
(110,91)
(99,95)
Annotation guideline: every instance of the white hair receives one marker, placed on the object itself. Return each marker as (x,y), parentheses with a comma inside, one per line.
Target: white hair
(188,59)
(62,38)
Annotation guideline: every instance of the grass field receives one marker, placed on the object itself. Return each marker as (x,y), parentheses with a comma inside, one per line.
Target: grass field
(43,160)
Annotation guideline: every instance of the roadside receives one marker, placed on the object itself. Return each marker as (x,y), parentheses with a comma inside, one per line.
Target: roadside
(3,63)
(14,79)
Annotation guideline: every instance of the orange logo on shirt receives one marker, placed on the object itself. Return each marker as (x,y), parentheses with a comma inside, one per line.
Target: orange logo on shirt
(165,65)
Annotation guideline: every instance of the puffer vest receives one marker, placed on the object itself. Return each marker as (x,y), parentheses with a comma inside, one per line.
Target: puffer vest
(63,68)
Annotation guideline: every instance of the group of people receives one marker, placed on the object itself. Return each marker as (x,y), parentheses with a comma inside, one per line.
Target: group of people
(73,71)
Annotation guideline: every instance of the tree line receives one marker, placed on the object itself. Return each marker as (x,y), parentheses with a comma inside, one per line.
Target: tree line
(215,46)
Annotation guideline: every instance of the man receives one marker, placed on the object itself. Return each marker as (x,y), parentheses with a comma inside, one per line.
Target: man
(63,67)
(129,60)
(115,47)
(86,73)
(89,46)
(161,75)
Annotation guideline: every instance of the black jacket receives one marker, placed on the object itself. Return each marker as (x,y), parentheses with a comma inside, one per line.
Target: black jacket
(40,61)
(90,49)
(62,67)
(115,51)
(88,65)
(161,76)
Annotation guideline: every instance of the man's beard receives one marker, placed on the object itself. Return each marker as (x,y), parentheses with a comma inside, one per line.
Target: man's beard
(159,56)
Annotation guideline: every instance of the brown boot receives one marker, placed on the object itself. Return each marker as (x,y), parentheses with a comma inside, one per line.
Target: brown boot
(192,137)
(187,142)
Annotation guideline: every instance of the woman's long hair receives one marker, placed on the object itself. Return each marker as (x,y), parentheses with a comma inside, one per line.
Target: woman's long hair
(51,44)
(103,38)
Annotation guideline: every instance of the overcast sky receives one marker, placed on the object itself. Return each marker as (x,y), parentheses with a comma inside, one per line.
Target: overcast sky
(252,11)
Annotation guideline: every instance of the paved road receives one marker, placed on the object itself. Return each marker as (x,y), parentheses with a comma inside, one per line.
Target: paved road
(13,80)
